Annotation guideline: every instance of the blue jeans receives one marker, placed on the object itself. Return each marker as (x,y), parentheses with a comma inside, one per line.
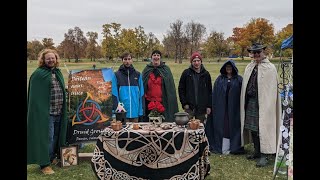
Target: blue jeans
(54,130)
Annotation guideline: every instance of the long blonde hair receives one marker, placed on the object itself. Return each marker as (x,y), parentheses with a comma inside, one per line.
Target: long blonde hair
(41,57)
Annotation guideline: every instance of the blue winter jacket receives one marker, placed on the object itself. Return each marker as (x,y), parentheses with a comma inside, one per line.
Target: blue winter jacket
(127,87)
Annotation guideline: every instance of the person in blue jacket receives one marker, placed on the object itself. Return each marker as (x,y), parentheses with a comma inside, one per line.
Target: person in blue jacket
(224,131)
(127,88)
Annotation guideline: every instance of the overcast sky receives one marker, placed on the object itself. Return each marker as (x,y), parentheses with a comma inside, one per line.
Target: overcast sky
(53,18)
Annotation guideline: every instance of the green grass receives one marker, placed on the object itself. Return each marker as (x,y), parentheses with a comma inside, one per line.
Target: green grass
(223,167)
(237,167)
(81,171)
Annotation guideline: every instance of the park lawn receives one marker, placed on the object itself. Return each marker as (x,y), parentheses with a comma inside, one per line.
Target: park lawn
(224,167)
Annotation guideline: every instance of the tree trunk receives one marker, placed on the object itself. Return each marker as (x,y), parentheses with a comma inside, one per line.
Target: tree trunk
(180,59)
(76,58)
(176,55)
(242,53)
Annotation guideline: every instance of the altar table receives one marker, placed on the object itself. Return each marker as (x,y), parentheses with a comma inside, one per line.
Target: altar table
(175,153)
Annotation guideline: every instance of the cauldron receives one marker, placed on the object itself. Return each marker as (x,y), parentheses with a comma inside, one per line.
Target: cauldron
(121,116)
(181,118)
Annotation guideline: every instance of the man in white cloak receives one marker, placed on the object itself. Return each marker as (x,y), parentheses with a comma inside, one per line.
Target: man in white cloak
(260,105)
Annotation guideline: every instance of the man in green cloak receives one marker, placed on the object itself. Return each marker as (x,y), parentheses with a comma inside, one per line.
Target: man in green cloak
(159,87)
(47,112)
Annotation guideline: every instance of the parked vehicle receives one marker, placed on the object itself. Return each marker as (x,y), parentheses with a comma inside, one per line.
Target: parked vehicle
(233,56)
(147,59)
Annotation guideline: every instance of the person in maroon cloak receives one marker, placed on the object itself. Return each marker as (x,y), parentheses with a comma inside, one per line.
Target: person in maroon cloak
(224,130)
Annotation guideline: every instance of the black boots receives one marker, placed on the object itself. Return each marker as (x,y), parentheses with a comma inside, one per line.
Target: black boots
(263,161)
(253,156)
(256,153)
(256,145)
(262,158)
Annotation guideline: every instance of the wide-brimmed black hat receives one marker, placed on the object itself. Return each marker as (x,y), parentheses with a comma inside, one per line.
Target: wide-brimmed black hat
(256,47)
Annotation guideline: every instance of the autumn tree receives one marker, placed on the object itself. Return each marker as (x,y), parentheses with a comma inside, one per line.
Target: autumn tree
(29,50)
(117,40)
(78,42)
(280,36)
(169,47)
(152,43)
(99,50)
(48,43)
(194,33)
(185,47)
(128,42)
(141,42)
(60,51)
(110,42)
(65,49)
(257,30)
(216,44)
(230,46)
(260,30)
(177,34)
(241,41)
(91,50)
(33,49)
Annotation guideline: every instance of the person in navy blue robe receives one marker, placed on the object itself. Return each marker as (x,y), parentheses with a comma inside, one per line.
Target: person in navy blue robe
(224,129)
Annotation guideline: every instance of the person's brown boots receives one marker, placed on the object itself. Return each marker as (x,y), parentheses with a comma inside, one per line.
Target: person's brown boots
(47,170)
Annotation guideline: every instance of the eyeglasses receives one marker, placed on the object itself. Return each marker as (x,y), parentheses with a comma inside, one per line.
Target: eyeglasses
(255,52)
(126,59)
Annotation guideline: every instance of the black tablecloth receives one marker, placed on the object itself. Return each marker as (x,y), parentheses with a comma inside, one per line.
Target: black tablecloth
(177,153)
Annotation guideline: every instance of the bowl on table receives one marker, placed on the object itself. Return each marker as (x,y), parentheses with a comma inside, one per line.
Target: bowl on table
(181,118)
(116,126)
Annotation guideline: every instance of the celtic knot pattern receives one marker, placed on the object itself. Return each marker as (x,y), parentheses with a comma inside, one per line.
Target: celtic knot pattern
(132,154)
(195,137)
(148,155)
(88,112)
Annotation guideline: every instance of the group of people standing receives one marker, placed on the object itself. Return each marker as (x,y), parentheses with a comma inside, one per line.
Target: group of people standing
(246,108)
(234,110)
(136,90)
(156,84)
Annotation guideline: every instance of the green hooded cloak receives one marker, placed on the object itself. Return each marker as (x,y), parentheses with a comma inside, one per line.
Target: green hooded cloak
(169,97)
(38,105)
